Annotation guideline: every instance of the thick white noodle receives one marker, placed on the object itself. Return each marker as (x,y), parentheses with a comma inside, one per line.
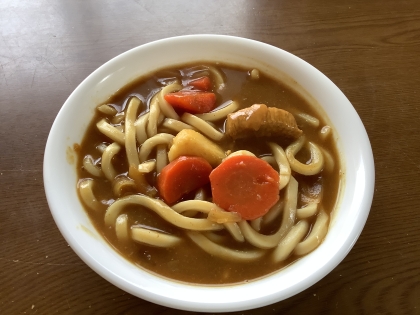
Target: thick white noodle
(214,237)
(130,132)
(200,194)
(290,241)
(160,208)
(307,211)
(310,120)
(329,163)
(206,207)
(90,166)
(111,132)
(161,157)
(120,128)
(160,118)
(149,144)
(140,180)
(122,184)
(162,129)
(202,126)
(86,193)
(256,224)
(220,113)
(273,213)
(154,113)
(117,119)
(283,164)
(141,124)
(165,107)
(196,204)
(107,167)
(121,228)
(147,167)
(289,215)
(218,77)
(317,159)
(290,204)
(175,125)
(325,132)
(153,238)
(101,147)
(315,237)
(221,251)
(212,124)
(107,109)
(239,152)
(270,160)
(235,231)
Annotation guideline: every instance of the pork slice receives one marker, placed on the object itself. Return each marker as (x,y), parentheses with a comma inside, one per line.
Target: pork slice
(262,121)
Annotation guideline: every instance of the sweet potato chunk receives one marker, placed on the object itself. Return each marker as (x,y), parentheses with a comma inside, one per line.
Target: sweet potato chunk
(262,121)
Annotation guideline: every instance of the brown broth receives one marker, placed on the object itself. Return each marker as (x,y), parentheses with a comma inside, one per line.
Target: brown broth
(187,262)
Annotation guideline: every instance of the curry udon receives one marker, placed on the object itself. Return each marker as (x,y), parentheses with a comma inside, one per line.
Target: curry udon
(209,173)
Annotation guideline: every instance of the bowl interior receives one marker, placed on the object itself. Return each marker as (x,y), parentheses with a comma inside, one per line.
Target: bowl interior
(71,122)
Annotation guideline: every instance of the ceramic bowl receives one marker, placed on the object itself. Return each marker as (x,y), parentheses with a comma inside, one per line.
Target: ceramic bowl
(72,120)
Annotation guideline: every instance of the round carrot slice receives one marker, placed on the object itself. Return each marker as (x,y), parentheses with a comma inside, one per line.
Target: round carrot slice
(191,101)
(202,83)
(181,176)
(245,184)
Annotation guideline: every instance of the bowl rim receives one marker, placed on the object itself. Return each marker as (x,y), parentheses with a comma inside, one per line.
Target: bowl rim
(365,178)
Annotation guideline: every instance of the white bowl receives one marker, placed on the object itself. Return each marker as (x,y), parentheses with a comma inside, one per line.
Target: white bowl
(71,122)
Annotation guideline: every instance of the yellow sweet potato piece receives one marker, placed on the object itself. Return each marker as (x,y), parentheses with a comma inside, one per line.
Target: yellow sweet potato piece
(192,143)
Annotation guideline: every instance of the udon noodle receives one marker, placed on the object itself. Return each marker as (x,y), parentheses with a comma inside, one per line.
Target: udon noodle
(129,143)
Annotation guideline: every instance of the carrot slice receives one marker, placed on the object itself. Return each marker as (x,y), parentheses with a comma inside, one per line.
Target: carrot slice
(202,83)
(191,101)
(181,176)
(245,184)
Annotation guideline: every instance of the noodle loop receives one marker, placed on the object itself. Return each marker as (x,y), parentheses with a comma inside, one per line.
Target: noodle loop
(130,132)
(316,235)
(288,244)
(162,210)
(86,193)
(90,166)
(109,171)
(283,164)
(317,160)
(149,144)
(165,107)
(111,132)
(289,214)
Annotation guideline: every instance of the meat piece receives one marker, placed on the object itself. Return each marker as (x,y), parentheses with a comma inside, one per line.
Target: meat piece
(262,121)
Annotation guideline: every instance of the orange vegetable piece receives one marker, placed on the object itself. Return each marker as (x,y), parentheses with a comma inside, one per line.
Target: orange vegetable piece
(245,184)
(183,175)
(202,83)
(191,101)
